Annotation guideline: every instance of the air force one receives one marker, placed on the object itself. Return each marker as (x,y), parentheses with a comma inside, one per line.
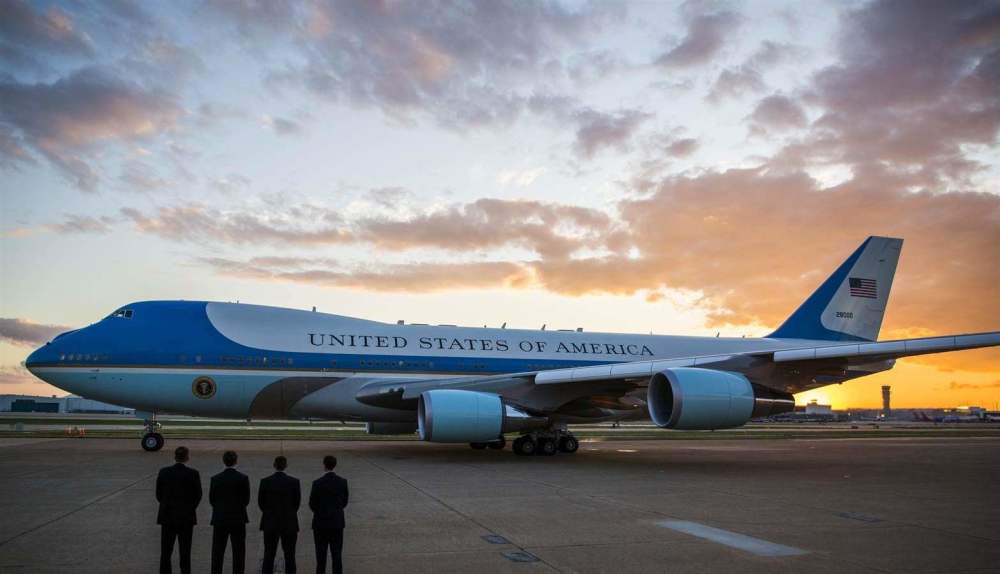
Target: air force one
(474,385)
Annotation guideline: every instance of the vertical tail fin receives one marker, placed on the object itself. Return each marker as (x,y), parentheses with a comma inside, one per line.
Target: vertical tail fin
(850,304)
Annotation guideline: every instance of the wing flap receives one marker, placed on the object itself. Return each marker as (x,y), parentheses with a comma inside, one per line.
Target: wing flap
(617,371)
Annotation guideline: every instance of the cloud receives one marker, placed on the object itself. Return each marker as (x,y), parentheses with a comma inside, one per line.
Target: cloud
(748,77)
(600,130)
(140,176)
(454,62)
(414,278)
(282,126)
(65,120)
(594,130)
(520,177)
(682,147)
(84,224)
(734,82)
(710,233)
(26,33)
(25,333)
(706,34)
(16,375)
(547,229)
(777,113)
(914,86)
(231,183)
(945,266)
(302,225)
(594,65)
(550,230)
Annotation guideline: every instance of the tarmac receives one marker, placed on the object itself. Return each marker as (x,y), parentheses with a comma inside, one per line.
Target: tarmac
(824,505)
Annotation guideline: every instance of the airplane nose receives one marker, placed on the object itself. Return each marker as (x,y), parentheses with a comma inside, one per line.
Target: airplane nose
(34,359)
(46,354)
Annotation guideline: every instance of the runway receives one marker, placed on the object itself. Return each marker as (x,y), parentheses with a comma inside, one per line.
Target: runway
(827,505)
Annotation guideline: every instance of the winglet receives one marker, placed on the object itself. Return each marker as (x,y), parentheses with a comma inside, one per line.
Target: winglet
(850,304)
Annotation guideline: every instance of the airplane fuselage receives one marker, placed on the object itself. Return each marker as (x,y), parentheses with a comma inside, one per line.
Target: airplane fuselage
(251,362)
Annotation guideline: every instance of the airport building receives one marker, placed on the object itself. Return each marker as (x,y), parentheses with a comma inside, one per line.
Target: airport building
(53,404)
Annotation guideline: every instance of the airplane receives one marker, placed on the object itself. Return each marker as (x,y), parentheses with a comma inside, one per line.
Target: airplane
(473,385)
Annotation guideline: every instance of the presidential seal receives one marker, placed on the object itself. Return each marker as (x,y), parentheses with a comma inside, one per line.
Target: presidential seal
(203,388)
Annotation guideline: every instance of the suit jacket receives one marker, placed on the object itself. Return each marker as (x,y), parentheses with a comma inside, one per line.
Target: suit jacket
(279,497)
(327,500)
(229,495)
(178,490)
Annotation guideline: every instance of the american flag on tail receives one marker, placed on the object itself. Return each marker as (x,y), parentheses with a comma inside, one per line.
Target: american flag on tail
(863,287)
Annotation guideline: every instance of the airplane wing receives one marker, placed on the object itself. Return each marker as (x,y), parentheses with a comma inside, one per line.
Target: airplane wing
(616,388)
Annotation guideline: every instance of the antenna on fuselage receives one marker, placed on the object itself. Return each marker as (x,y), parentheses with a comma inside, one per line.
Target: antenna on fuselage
(543,326)
(314,308)
(504,326)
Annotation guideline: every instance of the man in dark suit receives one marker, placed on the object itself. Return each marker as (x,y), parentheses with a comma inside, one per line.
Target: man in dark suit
(229,496)
(279,497)
(327,501)
(178,490)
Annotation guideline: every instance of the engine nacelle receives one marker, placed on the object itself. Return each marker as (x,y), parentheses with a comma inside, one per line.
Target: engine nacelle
(687,398)
(390,428)
(447,415)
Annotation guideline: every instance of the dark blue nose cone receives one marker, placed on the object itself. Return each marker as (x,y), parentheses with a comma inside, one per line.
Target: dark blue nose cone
(38,357)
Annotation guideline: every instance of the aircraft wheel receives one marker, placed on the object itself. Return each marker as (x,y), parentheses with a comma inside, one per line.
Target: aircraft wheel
(152,442)
(478,445)
(547,447)
(568,444)
(497,444)
(525,446)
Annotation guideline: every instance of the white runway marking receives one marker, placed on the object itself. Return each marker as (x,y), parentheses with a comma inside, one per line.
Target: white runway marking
(732,539)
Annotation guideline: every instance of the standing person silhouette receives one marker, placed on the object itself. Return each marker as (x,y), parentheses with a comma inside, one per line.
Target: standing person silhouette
(279,497)
(178,490)
(229,496)
(327,499)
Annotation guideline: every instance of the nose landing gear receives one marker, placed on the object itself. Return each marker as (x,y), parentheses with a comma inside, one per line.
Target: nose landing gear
(152,440)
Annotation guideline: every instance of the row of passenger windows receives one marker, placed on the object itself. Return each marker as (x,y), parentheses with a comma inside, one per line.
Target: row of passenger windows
(288,361)
(84,357)
(396,364)
(260,361)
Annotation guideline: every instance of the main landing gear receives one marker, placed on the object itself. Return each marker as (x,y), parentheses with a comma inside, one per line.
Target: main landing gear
(152,440)
(546,443)
(542,443)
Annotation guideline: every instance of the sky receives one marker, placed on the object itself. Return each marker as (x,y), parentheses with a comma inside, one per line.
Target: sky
(670,167)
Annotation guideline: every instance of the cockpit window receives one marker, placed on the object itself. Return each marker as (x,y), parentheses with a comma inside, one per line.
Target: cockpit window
(122,313)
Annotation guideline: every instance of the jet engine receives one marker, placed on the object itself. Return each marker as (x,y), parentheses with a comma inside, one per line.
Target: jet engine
(448,415)
(687,398)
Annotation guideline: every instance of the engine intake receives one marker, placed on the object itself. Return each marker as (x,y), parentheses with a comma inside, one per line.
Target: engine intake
(688,398)
(447,415)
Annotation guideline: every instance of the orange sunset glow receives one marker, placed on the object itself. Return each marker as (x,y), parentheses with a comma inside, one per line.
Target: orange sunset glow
(674,168)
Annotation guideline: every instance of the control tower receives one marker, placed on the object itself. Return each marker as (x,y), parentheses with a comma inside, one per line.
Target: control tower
(886,409)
